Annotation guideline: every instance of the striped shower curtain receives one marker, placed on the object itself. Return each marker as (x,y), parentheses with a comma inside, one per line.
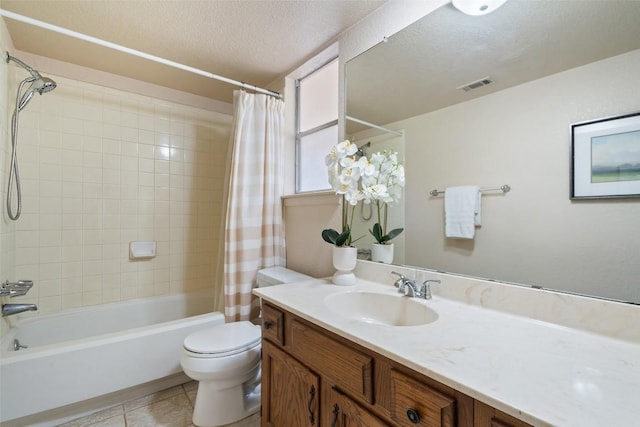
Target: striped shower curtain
(254,233)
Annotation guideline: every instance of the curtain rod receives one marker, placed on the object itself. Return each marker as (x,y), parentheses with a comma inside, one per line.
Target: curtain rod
(134,52)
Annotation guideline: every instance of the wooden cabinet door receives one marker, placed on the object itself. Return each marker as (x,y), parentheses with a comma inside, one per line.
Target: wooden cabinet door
(346,413)
(290,391)
(486,416)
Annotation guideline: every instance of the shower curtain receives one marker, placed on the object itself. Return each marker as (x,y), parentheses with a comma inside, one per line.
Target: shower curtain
(254,236)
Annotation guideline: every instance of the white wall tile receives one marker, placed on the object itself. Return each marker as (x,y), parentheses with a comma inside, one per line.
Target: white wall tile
(101,168)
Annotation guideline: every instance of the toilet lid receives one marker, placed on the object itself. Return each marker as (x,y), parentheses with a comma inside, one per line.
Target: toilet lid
(228,338)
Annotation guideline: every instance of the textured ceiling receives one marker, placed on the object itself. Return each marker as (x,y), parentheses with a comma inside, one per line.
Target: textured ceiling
(419,68)
(253,41)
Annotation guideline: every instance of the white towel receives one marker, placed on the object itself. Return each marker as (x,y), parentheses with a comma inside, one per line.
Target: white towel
(462,211)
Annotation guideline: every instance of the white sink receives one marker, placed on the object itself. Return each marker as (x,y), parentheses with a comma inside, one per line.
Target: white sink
(381,308)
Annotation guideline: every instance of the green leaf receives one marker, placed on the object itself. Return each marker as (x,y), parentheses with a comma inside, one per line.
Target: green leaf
(344,238)
(330,236)
(377,232)
(394,233)
(380,238)
(339,239)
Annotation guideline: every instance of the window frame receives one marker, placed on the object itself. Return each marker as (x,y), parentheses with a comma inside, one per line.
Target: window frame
(321,127)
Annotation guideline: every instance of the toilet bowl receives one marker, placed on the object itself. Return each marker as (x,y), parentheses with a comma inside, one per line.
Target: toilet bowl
(225,360)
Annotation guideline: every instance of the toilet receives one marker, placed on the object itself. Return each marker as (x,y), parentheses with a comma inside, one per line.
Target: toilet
(225,360)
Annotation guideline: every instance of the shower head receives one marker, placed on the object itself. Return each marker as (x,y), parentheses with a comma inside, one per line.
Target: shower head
(38,83)
(46,85)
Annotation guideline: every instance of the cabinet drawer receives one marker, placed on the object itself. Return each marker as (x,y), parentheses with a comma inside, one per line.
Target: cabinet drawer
(272,324)
(347,368)
(416,404)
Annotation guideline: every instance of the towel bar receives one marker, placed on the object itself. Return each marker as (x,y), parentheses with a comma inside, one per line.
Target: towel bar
(504,188)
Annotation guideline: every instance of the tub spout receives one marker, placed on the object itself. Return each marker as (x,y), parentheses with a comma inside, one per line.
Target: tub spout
(9,309)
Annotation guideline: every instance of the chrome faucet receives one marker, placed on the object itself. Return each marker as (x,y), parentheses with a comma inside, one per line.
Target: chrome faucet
(15,289)
(425,290)
(9,309)
(406,286)
(410,287)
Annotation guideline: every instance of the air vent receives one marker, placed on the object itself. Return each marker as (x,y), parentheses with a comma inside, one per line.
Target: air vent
(476,84)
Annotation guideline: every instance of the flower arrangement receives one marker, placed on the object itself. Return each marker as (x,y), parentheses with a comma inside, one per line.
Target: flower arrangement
(378,180)
(383,187)
(344,174)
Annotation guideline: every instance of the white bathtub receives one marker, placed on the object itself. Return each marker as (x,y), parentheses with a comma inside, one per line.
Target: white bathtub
(85,353)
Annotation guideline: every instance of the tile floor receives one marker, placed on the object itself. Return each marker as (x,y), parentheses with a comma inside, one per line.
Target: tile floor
(168,408)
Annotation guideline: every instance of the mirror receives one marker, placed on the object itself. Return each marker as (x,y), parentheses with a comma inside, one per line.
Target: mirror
(537,68)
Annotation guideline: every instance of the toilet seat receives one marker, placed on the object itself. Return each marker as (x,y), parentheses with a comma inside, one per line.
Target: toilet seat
(223,340)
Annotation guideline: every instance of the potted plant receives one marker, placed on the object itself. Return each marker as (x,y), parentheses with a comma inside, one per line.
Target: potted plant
(345,172)
(382,186)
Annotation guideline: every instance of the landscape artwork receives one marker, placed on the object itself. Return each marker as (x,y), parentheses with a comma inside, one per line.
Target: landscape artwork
(615,157)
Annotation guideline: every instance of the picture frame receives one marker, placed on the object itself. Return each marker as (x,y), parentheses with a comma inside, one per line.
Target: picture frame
(605,158)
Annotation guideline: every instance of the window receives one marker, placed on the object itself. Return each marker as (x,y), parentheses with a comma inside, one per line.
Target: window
(317,126)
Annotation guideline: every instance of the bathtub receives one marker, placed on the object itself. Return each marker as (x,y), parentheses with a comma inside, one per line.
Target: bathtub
(85,353)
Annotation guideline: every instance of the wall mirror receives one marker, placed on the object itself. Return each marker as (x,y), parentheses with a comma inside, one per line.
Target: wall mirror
(490,101)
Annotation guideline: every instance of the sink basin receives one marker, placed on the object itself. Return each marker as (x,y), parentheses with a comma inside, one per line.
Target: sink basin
(380,309)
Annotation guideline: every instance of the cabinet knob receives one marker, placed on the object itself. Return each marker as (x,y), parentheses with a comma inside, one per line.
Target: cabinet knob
(413,416)
(268,324)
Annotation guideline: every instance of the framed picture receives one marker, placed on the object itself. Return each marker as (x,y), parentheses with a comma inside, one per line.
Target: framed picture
(605,158)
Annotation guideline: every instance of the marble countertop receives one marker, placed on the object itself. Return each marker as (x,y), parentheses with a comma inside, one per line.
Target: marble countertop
(540,372)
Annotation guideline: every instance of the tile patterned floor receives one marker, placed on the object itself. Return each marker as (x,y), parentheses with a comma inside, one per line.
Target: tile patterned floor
(168,408)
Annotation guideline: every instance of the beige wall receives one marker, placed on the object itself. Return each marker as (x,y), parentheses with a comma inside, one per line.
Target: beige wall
(305,217)
(520,136)
(101,167)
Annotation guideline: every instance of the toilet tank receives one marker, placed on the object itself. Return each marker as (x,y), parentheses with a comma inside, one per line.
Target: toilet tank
(279,275)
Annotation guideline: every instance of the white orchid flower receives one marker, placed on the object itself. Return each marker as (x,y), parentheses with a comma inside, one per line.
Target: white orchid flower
(346,148)
(348,162)
(367,168)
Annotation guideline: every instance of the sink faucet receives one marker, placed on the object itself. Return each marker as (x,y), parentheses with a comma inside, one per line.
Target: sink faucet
(9,309)
(406,286)
(410,287)
(425,290)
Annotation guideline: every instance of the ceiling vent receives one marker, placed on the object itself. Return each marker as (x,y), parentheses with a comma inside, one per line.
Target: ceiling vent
(476,84)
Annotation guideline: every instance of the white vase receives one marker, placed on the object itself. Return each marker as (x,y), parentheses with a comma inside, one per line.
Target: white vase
(344,261)
(382,253)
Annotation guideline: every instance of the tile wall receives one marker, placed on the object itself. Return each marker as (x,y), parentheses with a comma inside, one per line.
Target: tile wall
(101,168)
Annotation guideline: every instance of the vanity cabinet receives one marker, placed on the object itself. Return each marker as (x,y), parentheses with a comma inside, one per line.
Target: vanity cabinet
(313,377)
(290,391)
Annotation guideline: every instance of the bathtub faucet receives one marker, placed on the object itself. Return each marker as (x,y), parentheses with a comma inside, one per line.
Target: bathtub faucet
(9,309)
(15,289)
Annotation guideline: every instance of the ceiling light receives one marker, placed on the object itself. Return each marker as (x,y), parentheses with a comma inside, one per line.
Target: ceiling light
(477,7)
